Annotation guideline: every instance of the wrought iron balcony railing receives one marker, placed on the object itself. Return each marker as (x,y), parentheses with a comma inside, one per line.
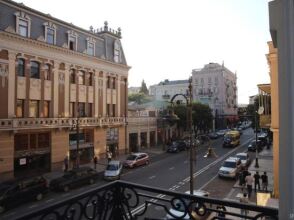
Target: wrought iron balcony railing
(122,201)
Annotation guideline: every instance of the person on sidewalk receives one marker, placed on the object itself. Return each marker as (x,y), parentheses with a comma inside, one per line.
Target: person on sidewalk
(256,181)
(249,181)
(95,161)
(65,163)
(244,199)
(109,156)
(264,180)
(241,180)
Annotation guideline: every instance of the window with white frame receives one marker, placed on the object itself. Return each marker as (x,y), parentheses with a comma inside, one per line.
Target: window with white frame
(23,24)
(72,40)
(50,33)
(91,46)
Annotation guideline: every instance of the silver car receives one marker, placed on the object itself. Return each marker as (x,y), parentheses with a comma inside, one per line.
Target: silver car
(244,157)
(113,170)
(230,168)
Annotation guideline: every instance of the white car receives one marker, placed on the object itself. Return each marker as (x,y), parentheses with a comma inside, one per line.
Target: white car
(244,157)
(230,168)
(113,170)
(180,211)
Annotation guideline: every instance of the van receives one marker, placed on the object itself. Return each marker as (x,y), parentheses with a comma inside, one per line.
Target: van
(231,139)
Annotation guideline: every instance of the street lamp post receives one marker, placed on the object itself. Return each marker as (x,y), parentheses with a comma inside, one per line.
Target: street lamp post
(256,145)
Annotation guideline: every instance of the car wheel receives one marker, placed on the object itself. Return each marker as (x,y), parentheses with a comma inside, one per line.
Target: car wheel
(91,181)
(39,197)
(65,188)
(2,209)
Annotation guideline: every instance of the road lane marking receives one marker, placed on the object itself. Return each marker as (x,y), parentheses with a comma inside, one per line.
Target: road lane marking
(33,206)
(152,177)
(171,168)
(208,182)
(49,200)
(173,188)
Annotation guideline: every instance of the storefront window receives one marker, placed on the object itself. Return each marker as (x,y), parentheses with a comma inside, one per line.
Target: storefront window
(46,109)
(19,108)
(33,141)
(43,140)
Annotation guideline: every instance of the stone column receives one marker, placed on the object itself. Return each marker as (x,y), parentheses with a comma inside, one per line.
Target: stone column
(66,90)
(55,88)
(104,93)
(139,140)
(148,138)
(11,84)
(96,93)
(118,96)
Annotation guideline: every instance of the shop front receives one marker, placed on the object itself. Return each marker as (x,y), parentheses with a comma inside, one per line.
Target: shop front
(32,154)
(86,146)
(112,141)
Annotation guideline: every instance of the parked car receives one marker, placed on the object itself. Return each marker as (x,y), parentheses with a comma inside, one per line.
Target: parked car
(245,159)
(136,159)
(213,135)
(16,192)
(263,138)
(252,146)
(113,170)
(179,211)
(74,178)
(230,168)
(177,146)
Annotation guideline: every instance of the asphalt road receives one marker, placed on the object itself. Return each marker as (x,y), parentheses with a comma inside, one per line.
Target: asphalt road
(168,171)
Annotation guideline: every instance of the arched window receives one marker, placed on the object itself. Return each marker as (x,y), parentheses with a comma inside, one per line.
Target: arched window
(81,77)
(47,72)
(35,70)
(72,76)
(20,67)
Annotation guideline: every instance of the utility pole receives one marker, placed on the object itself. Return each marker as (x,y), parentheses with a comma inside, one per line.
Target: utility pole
(190,136)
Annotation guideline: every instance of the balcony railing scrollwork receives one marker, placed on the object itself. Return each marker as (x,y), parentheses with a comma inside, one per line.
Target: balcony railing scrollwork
(122,200)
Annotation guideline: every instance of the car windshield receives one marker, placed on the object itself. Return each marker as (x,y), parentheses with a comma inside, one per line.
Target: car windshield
(229,164)
(111,167)
(131,157)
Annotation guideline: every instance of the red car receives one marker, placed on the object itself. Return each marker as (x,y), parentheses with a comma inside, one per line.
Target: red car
(136,159)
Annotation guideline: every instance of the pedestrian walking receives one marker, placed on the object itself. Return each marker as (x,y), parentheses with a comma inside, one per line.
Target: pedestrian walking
(95,160)
(65,164)
(264,181)
(249,181)
(256,181)
(109,156)
(244,199)
(241,180)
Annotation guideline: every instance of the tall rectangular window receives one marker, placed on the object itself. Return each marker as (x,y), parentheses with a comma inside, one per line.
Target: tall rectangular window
(113,110)
(20,67)
(23,27)
(35,70)
(108,82)
(108,109)
(47,71)
(113,83)
(90,49)
(46,109)
(72,76)
(72,43)
(34,109)
(90,112)
(50,36)
(20,108)
(81,109)
(90,79)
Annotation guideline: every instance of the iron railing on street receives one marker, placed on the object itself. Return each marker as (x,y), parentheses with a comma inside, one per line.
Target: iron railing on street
(121,200)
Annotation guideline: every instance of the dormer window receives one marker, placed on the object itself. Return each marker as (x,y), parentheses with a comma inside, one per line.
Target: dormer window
(72,40)
(90,46)
(23,24)
(50,33)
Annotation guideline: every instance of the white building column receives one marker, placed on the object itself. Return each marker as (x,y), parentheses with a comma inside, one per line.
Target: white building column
(55,88)
(118,95)
(11,84)
(104,93)
(66,90)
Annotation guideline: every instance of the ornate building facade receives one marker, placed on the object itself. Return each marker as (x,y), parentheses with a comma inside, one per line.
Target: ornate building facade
(55,77)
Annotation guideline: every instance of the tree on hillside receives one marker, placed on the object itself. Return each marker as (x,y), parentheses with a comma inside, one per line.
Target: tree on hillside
(143,88)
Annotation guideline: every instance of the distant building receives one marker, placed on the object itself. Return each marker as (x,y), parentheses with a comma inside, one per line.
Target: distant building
(133,90)
(165,90)
(252,98)
(216,86)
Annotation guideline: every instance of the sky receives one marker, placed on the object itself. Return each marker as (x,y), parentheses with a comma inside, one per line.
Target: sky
(167,39)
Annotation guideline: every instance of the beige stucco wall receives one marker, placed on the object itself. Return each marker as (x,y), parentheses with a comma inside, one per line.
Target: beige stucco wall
(273,65)
(121,139)
(6,155)
(59,148)
(100,142)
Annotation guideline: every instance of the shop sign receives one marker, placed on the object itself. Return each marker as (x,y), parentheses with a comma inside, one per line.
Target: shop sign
(22,161)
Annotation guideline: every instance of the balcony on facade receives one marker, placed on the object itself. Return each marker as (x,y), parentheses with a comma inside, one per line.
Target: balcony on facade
(43,123)
(121,200)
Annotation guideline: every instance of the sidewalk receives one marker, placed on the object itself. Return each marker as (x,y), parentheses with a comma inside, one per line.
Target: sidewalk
(102,162)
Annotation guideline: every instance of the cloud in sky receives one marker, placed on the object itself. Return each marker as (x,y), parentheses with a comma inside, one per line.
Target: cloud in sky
(166,39)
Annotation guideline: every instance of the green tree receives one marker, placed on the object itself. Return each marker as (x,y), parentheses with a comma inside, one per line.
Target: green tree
(139,98)
(143,88)
(201,117)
